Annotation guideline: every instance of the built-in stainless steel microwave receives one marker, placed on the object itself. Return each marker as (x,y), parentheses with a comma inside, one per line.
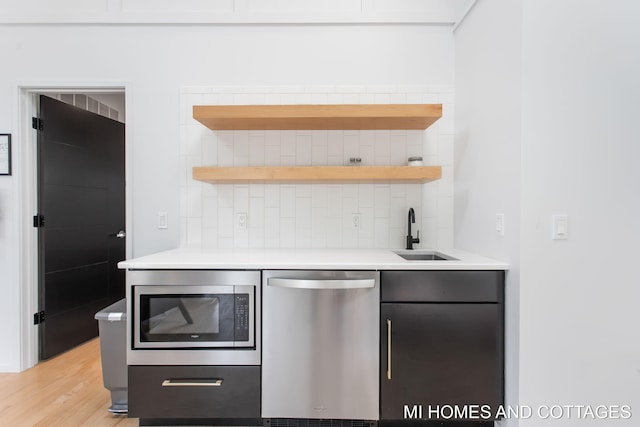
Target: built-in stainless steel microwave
(193,317)
(206,316)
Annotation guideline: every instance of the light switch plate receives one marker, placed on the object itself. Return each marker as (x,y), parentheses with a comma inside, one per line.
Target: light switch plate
(500,224)
(163,220)
(560,227)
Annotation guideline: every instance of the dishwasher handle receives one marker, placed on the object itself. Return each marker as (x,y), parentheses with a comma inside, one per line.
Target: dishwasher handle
(321,283)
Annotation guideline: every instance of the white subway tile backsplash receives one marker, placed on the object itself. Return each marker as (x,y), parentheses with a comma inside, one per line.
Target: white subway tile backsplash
(209,148)
(288,143)
(335,143)
(303,150)
(314,215)
(381,233)
(272,155)
(287,160)
(256,152)
(367,154)
(225,222)
(303,238)
(319,223)
(256,213)
(194,232)
(350,146)
(241,238)
(367,223)
(303,213)
(398,212)
(351,98)
(319,194)
(256,238)
(210,238)
(335,98)
(287,232)
(429,235)
(429,201)
(271,242)
(319,155)
(319,98)
(366,98)
(271,195)
(194,202)
(210,212)
(366,198)
(382,201)
(256,190)
(272,223)
(398,149)
(240,198)
(334,232)
(225,196)
(287,201)
(272,138)
(334,201)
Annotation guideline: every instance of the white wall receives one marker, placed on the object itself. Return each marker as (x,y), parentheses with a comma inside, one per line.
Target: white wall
(487,149)
(315,215)
(560,138)
(154,62)
(233,11)
(580,339)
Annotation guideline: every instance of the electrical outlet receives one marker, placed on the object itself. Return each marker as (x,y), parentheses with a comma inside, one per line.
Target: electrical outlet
(241,220)
(355,220)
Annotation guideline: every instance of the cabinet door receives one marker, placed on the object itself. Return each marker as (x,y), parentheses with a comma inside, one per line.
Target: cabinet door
(440,354)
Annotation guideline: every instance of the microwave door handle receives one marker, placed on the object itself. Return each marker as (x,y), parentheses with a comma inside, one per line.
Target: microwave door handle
(321,283)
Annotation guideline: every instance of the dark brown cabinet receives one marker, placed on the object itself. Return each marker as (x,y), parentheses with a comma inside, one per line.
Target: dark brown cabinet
(194,392)
(442,346)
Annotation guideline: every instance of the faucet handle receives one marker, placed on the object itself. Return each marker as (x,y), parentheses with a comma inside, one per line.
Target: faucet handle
(417,239)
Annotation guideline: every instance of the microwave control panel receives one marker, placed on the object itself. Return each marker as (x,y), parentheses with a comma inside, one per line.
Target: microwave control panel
(241,317)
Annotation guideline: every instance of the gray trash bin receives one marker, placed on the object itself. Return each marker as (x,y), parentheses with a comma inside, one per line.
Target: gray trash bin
(112,324)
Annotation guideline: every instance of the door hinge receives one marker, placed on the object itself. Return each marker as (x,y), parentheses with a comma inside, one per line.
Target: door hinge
(36,123)
(38,318)
(38,221)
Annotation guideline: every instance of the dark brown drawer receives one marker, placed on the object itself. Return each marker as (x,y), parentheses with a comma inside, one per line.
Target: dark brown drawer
(194,391)
(442,286)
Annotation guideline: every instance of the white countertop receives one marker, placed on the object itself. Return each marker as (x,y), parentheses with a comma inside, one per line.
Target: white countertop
(306,259)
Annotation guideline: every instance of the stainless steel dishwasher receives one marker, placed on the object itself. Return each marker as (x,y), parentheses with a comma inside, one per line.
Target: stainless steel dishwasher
(320,349)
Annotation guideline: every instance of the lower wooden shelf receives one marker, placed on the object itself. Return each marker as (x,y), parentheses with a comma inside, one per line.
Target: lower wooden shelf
(311,174)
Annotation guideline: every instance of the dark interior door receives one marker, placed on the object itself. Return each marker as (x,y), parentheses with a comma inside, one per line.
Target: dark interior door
(81,199)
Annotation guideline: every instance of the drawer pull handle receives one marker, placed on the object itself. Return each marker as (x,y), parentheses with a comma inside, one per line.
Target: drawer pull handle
(192,383)
(388,349)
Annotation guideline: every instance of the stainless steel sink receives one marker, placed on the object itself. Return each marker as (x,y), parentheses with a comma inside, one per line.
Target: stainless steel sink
(424,256)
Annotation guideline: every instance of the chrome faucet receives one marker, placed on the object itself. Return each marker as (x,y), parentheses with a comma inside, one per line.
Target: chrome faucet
(410,239)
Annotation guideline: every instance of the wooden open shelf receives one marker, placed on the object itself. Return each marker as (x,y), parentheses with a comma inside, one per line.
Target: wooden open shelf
(317,117)
(311,174)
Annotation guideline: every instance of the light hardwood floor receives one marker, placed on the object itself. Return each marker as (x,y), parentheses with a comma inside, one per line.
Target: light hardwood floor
(66,391)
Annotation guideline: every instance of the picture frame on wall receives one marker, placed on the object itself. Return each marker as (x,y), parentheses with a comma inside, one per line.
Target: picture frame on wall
(5,154)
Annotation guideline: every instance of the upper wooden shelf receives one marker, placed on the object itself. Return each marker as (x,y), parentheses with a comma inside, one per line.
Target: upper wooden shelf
(317,117)
(311,174)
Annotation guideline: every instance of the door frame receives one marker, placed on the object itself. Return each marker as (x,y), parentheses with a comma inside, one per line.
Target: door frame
(26,159)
